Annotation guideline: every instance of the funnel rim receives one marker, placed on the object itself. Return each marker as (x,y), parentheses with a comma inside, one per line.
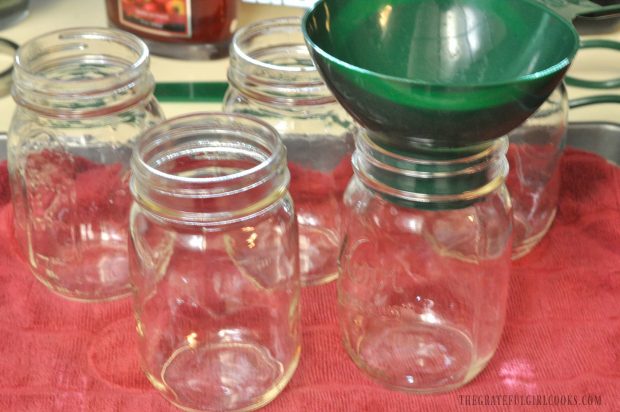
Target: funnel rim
(565,62)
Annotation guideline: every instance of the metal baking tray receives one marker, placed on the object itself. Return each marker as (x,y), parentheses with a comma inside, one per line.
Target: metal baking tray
(597,137)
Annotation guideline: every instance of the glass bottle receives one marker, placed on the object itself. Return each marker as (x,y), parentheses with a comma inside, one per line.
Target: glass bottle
(534,178)
(186,29)
(215,264)
(272,77)
(425,264)
(83,96)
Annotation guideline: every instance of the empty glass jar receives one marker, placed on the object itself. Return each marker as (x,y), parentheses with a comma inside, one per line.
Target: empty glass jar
(272,77)
(83,96)
(534,178)
(425,264)
(214,260)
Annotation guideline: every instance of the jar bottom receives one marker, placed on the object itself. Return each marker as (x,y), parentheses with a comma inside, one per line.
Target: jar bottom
(318,255)
(231,376)
(417,357)
(101,275)
(522,246)
(318,223)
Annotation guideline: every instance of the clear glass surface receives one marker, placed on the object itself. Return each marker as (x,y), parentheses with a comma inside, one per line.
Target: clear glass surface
(534,178)
(83,98)
(272,77)
(424,276)
(214,259)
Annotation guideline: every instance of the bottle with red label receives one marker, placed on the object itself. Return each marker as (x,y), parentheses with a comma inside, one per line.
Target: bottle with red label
(188,29)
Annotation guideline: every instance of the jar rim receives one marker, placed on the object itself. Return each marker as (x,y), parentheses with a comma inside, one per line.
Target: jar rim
(295,82)
(92,33)
(478,152)
(149,137)
(457,178)
(127,74)
(255,29)
(209,142)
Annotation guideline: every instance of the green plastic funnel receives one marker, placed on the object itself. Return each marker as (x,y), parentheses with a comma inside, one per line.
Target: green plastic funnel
(442,73)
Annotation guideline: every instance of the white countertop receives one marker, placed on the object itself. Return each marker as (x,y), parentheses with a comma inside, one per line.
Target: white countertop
(48,15)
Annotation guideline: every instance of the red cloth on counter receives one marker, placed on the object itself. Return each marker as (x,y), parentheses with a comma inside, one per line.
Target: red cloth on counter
(562,335)
(5,191)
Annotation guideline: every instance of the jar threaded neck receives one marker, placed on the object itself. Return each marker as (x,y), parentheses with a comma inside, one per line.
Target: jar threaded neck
(269,62)
(82,72)
(209,168)
(447,179)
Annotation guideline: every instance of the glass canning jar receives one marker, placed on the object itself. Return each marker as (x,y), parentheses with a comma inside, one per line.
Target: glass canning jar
(214,261)
(425,265)
(534,177)
(272,77)
(83,96)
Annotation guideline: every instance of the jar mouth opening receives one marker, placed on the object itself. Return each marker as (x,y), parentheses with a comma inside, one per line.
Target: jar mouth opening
(81,46)
(155,140)
(285,25)
(209,167)
(240,44)
(270,62)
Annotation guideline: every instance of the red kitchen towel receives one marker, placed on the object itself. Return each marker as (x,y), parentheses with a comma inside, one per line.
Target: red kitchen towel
(560,349)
